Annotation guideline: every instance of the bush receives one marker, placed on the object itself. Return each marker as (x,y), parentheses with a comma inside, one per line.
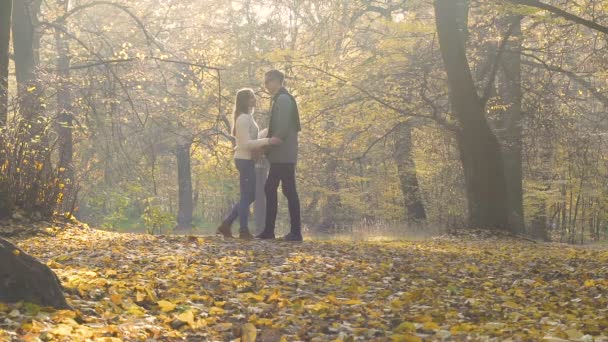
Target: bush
(29,183)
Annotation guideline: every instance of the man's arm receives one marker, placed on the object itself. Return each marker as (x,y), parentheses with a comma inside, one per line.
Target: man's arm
(284,117)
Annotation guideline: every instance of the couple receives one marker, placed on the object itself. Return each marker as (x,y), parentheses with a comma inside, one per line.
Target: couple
(279,144)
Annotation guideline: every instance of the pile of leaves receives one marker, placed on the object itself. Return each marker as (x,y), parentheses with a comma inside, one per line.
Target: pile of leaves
(172,288)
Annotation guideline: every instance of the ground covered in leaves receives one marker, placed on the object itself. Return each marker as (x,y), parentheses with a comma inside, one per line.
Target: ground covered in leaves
(172,288)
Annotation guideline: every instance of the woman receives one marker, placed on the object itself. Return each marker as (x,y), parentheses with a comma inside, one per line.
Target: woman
(245,130)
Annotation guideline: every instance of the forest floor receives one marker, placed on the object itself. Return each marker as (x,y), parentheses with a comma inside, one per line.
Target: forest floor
(169,288)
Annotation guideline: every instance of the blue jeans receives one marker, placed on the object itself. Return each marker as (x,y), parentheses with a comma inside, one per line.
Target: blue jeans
(247,185)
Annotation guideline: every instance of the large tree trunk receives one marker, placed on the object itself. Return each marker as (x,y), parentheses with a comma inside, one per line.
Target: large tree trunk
(510,122)
(6,9)
(480,151)
(406,168)
(184,179)
(26,42)
(23,278)
(64,118)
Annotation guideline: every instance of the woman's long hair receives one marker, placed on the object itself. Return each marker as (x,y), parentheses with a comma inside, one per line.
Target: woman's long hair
(241,105)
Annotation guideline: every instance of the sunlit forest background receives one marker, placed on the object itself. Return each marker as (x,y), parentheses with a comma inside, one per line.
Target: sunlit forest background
(119,112)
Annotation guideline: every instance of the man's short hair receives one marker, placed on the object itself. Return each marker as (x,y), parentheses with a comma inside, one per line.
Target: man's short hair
(275,75)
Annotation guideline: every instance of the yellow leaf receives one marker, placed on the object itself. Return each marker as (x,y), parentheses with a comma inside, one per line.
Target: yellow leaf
(405,338)
(255,297)
(216,311)
(135,310)
(16,252)
(166,306)
(248,332)
(274,296)
(511,305)
(62,330)
(462,327)
(353,302)
(423,319)
(574,334)
(186,317)
(472,268)
(431,326)
(405,327)
(140,296)
(116,298)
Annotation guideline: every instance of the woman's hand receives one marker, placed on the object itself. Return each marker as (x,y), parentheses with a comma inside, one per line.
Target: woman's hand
(275,141)
(263,133)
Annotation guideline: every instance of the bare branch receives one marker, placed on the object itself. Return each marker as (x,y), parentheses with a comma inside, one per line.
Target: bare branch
(561,13)
(497,59)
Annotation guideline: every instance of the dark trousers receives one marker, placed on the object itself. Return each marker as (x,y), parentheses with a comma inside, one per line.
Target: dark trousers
(285,174)
(247,184)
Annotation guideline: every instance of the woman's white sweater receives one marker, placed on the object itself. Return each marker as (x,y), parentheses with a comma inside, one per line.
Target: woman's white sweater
(247,137)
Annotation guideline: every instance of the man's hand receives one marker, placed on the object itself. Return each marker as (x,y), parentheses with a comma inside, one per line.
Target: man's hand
(275,141)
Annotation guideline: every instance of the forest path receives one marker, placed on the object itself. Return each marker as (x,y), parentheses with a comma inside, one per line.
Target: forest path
(134,287)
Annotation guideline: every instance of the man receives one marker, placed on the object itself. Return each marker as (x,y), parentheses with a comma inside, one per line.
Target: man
(284,124)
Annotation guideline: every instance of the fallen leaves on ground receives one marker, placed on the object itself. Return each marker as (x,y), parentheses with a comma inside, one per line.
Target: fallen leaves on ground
(171,288)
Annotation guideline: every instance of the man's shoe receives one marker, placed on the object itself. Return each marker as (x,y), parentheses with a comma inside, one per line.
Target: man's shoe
(293,237)
(245,236)
(225,230)
(266,236)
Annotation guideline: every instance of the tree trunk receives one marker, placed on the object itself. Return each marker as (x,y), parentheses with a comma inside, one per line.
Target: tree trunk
(510,122)
(26,42)
(539,224)
(64,118)
(329,211)
(184,179)
(406,168)
(6,9)
(23,278)
(480,151)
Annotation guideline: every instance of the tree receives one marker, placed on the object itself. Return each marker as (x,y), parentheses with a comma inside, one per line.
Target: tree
(6,10)
(408,179)
(184,178)
(479,148)
(26,43)
(507,65)
(65,116)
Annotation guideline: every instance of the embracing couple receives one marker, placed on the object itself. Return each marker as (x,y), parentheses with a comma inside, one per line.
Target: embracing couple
(279,144)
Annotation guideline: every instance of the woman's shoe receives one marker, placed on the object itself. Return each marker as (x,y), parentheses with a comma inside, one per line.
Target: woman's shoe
(245,236)
(225,230)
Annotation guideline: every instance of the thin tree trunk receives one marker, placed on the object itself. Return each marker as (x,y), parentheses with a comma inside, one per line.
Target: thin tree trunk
(6,10)
(333,203)
(538,224)
(480,151)
(64,118)
(406,168)
(184,180)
